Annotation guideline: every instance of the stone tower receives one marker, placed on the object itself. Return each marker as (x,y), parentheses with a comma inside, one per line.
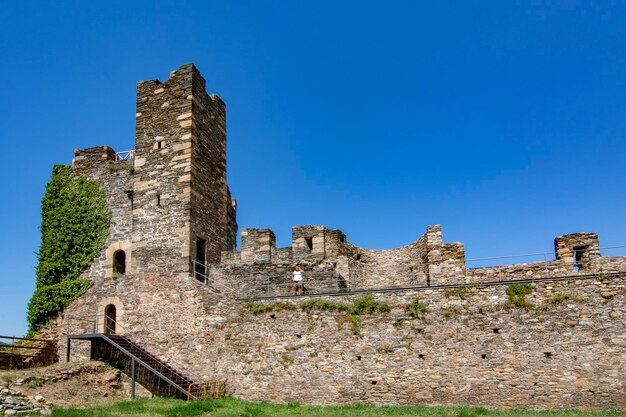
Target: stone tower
(171,204)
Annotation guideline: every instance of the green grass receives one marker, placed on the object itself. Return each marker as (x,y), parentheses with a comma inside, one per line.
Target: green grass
(230,407)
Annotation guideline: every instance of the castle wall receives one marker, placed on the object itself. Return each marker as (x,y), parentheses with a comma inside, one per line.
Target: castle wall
(471,347)
(563,347)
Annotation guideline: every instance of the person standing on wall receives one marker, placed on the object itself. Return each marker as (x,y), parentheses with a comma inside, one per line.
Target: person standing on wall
(297,280)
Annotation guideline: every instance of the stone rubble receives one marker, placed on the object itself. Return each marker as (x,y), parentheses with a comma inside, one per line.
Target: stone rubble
(14,402)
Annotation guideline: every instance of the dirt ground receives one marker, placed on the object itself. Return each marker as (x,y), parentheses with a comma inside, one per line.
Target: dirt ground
(71,385)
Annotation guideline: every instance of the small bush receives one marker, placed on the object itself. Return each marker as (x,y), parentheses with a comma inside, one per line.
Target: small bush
(417,309)
(360,306)
(517,295)
(451,311)
(367,305)
(280,305)
(519,289)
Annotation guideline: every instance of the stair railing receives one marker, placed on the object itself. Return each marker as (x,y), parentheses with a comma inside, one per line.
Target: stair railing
(134,359)
(95,329)
(160,362)
(200,272)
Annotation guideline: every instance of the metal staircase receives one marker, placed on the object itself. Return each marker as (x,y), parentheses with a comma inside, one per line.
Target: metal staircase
(140,365)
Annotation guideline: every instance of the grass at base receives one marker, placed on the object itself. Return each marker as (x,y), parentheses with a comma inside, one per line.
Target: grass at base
(230,407)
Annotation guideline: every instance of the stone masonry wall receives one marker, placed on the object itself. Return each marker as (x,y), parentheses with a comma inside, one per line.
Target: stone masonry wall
(470,347)
(162,188)
(210,197)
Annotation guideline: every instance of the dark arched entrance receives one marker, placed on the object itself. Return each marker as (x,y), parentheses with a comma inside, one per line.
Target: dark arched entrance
(109,319)
(119,263)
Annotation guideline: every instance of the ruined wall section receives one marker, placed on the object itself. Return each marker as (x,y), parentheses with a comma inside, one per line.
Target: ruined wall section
(320,251)
(387,268)
(427,261)
(99,164)
(580,249)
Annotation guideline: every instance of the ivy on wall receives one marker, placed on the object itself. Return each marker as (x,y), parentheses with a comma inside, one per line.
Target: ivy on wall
(74,227)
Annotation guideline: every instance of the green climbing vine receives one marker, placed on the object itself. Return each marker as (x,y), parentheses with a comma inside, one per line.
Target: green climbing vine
(74,227)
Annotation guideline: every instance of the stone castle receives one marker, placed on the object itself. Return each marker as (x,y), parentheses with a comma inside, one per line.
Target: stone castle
(170,278)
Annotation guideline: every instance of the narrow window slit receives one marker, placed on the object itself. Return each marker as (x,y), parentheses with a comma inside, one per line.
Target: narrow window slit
(119,263)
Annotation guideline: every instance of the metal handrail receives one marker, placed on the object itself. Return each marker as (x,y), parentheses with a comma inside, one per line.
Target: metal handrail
(94,322)
(95,328)
(26,338)
(162,364)
(206,390)
(125,155)
(355,291)
(281,290)
(544,254)
(207,279)
(145,365)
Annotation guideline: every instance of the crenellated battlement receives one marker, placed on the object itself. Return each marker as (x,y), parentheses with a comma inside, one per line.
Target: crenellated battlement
(428,261)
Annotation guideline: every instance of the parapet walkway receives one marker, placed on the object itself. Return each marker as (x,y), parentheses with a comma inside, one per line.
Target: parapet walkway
(355,291)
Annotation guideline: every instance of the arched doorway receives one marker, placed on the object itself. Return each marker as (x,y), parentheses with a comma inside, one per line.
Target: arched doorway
(119,263)
(109,319)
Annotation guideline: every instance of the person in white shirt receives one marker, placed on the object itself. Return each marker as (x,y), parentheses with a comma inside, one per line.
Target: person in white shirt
(297,280)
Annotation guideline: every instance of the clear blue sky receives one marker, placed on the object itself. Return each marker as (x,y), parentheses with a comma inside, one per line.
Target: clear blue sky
(503,121)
